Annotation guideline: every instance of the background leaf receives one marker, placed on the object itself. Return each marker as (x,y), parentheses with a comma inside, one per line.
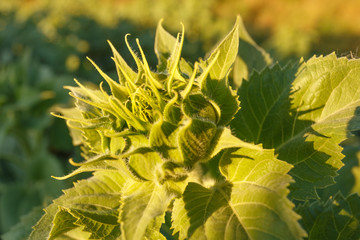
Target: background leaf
(338,218)
(22,229)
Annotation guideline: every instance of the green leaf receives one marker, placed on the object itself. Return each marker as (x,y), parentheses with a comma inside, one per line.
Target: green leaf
(251,204)
(145,162)
(63,222)
(100,222)
(338,218)
(258,207)
(201,203)
(75,234)
(304,114)
(142,210)
(227,51)
(22,229)
(224,140)
(181,223)
(101,191)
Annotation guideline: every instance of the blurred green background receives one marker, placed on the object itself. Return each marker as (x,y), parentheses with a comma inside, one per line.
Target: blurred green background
(43,45)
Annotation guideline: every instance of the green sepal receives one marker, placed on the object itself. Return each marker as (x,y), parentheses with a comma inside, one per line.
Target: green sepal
(163,138)
(223,97)
(117,90)
(125,73)
(164,45)
(251,57)
(197,106)
(195,139)
(145,162)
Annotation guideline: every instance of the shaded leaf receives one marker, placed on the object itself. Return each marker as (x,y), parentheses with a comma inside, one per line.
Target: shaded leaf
(338,218)
(356,173)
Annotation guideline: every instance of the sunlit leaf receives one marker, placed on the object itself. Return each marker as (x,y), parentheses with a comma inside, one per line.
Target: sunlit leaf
(143,205)
(227,51)
(102,190)
(304,114)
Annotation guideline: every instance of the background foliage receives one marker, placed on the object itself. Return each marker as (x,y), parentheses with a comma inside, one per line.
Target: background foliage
(43,45)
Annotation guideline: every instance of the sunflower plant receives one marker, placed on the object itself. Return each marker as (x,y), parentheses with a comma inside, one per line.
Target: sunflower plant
(232,146)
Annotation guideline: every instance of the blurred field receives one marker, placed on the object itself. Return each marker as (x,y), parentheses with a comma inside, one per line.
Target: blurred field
(44,44)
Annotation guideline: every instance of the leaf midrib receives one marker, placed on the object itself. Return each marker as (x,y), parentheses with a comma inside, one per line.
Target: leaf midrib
(136,235)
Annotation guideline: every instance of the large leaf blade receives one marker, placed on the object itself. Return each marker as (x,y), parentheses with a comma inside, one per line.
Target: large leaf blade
(297,114)
(104,189)
(142,208)
(258,200)
(251,204)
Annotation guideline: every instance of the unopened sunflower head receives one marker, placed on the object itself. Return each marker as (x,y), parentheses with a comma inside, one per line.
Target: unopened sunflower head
(180,111)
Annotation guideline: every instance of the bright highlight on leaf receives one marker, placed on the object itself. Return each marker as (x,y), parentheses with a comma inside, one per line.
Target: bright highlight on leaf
(226,152)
